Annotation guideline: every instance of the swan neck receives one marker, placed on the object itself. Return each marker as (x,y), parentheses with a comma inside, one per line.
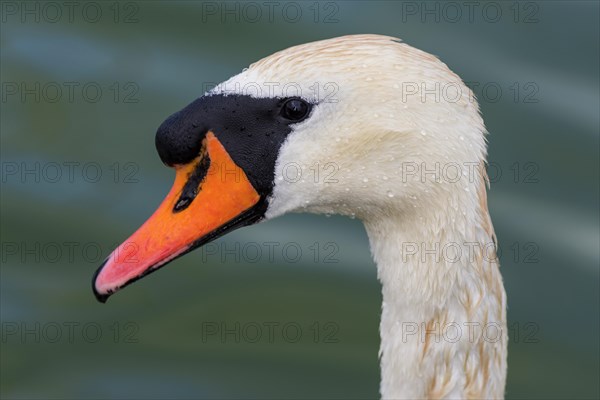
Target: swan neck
(443,323)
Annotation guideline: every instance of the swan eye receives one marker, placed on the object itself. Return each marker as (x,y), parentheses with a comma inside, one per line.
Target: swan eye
(295,109)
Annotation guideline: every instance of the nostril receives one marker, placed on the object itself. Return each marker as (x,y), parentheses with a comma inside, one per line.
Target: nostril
(193,184)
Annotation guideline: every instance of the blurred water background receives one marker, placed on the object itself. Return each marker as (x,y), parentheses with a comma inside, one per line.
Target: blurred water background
(535,71)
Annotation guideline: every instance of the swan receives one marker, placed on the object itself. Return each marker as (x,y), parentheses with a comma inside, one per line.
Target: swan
(407,142)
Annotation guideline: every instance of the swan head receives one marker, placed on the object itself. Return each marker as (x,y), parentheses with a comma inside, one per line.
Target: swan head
(360,125)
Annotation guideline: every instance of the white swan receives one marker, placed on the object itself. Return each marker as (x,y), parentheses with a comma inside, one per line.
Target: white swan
(406,140)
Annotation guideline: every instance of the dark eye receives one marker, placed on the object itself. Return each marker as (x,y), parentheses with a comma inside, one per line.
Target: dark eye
(295,109)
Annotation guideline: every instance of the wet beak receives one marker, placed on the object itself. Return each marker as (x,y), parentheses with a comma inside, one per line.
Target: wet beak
(211,196)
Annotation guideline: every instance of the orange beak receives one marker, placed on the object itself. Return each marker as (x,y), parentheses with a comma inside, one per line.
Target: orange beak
(211,196)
